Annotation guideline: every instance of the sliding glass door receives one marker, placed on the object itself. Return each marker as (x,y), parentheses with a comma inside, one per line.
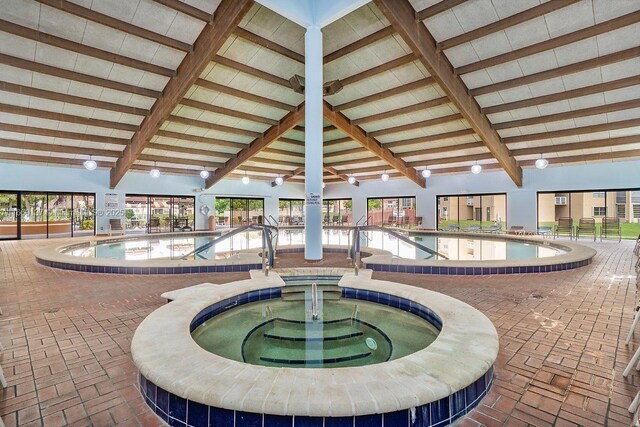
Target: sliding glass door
(236,212)
(393,212)
(8,216)
(159,214)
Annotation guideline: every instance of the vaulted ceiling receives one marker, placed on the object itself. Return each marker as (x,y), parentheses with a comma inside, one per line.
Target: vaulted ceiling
(205,84)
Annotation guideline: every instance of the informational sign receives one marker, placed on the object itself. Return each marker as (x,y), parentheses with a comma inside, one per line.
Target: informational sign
(314,199)
(111,201)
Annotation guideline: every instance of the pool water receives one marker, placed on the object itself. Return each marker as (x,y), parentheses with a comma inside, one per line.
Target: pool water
(282,332)
(176,247)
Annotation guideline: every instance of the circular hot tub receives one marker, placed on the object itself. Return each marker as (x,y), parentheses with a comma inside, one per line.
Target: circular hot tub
(432,373)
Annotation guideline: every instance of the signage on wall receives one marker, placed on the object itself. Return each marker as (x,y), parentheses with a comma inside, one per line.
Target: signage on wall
(111,201)
(314,199)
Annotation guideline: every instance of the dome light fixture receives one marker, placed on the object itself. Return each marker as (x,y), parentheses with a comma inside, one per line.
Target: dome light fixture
(90,164)
(155,172)
(476,169)
(279,180)
(245,179)
(204,174)
(542,163)
(384,177)
(324,185)
(426,173)
(351,180)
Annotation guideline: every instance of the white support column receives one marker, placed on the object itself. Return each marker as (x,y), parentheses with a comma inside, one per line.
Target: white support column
(313,124)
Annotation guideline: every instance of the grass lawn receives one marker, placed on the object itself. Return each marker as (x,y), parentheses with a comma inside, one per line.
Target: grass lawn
(629,230)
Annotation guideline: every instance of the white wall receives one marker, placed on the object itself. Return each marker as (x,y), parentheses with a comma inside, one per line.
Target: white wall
(521,202)
(24,177)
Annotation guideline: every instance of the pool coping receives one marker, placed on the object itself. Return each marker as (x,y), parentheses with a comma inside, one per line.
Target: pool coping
(464,351)
(378,259)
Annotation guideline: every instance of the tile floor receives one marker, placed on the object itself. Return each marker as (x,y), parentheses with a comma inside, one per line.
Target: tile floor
(66,337)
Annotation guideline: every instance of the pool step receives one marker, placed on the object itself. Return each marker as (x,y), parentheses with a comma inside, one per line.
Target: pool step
(301,296)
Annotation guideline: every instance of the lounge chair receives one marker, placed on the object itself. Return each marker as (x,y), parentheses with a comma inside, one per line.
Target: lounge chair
(544,231)
(586,226)
(610,227)
(154,223)
(564,226)
(452,227)
(472,229)
(518,230)
(495,228)
(115,226)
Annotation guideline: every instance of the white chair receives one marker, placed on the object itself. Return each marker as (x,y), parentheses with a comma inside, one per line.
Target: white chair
(115,226)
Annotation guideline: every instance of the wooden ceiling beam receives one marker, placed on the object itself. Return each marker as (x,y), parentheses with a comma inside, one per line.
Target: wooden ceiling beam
(417,125)
(604,127)
(287,177)
(167,170)
(576,67)
(57,148)
(37,67)
(189,150)
(200,139)
(452,159)
(227,17)
(567,115)
(401,15)
(213,126)
(82,49)
(271,135)
(341,121)
(371,72)
(50,159)
(272,162)
(258,169)
(343,177)
(71,99)
(108,21)
(418,84)
(54,133)
(430,138)
(280,152)
(582,145)
(439,7)
(69,118)
(226,111)
(505,23)
(403,110)
(359,44)
(179,161)
(237,66)
(291,141)
(352,162)
(268,44)
(585,33)
(244,95)
(563,96)
(440,150)
(187,9)
(333,142)
(358,150)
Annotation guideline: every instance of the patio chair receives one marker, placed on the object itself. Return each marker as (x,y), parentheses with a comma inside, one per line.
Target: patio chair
(472,229)
(636,249)
(518,230)
(418,222)
(586,226)
(610,227)
(452,227)
(544,231)
(390,220)
(115,226)
(154,223)
(344,220)
(564,226)
(495,228)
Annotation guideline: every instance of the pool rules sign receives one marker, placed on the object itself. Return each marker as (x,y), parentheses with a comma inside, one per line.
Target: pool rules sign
(314,199)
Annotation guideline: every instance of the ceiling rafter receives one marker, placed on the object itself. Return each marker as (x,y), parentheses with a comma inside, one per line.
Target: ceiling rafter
(582,145)
(575,67)
(69,118)
(585,33)
(200,139)
(563,96)
(108,21)
(50,70)
(270,136)
(417,125)
(188,150)
(359,44)
(71,99)
(573,114)
(436,9)
(268,44)
(402,17)
(430,138)
(244,95)
(403,110)
(50,159)
(213,126)
(82,49)
(342,176)
(341,121)
(371,72)
(604,127)
(238,66)
(187,9)
(418,84)
(178,160)
(227,16)
(505,23)
(57,148)
(287,177)
(76,136)
(226,111)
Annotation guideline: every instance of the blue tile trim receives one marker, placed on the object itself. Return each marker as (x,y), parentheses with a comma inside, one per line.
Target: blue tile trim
(475,271)
(177,411)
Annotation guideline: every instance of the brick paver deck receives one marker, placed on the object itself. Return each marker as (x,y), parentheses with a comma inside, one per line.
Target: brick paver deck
(67,335)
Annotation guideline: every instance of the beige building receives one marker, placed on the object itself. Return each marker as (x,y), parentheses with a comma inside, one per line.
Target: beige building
(485,208)
(622,204)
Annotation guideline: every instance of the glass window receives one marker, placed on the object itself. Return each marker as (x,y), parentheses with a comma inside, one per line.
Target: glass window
(472,212)
(337,212)
(599,211)
(392,211)
(159,214)
(598,195)
(84,211)
(8,216)
(291,212)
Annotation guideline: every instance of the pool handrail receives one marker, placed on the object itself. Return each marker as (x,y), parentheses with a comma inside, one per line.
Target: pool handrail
(354,250)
